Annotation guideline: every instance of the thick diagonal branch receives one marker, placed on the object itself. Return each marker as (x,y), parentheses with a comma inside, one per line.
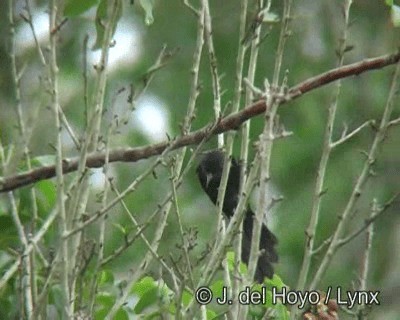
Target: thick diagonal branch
(230,122)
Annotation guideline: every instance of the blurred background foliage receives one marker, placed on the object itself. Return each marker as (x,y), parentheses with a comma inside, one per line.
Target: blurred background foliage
(316,27)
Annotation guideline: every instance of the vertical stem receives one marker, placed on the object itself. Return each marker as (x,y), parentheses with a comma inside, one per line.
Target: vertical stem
(366,260)
(213,66)
(362,179)
(282,41)
(326,152)
(62,220)
(81,195)
(221,227)
(245,132)
(243,153)
(28,261)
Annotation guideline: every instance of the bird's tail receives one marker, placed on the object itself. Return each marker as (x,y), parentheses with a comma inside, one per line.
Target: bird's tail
(268,254)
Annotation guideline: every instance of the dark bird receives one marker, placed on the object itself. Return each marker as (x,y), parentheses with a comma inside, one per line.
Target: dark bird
(209,173)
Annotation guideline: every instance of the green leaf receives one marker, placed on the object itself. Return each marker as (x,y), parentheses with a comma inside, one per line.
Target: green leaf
(230,259)
(105,300)
(149,298)
(147,6)
(187,297)
(282,312)
(39,161)
(395,15)
(103,15)
(216,288)
(100,314)
(76,7)
(106,277)
(150,292)
(45,160)
(121,315)
(389,2)
(276,282)
(212,314)
(120,228)
(9,235)
(46,196)
(141,287)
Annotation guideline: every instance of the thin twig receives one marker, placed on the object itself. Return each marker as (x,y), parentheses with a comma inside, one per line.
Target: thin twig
(346,137)
(185,247)
(376,213)
(29,279)
(33,241)
(67,309)
(158,233)
(362,179)
(208,35)
(366,262)
(325,156)
(394,122)
(240,60)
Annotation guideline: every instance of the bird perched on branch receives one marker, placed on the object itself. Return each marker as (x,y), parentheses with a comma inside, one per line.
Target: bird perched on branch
(209,173)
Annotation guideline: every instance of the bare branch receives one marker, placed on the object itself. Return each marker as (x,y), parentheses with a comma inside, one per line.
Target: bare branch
(348,136)
(230,122)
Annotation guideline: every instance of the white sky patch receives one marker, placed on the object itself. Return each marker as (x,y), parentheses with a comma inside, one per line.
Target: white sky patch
(126,50)
(127,38)
(24,37)
(151,117)
(97,178)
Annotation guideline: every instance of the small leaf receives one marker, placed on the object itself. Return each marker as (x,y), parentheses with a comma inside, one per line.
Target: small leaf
(271,17)
(106,276)
(120,228)
(282,312)
(212,314)
(150,297)
(395,15)
(121,315)
(217,287)
(147,6)
(142,286)
(230,258)
(46,196)
(101,314)
(76,7)
(187,297)
(9,234)
(105,300)
(39,161)
(102,17)
(348,48)
(276,282)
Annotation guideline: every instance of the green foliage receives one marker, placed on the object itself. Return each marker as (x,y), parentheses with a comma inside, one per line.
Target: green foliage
(76,7)
(147,6)
(103,13)
(9,235)
(151,298)
(394,13)
(311,49)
